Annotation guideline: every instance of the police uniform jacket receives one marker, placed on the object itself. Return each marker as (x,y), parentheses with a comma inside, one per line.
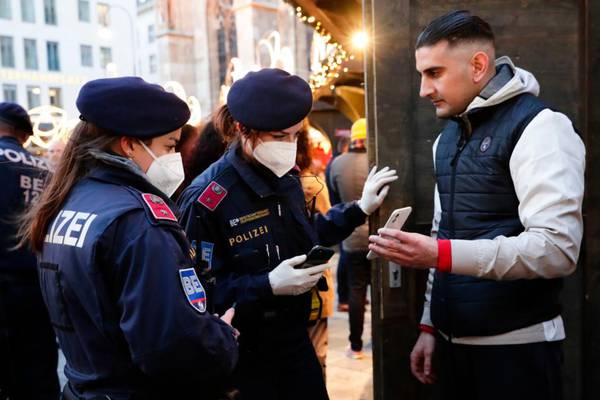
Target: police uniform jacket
(117,276)
(246,221)
(22,178)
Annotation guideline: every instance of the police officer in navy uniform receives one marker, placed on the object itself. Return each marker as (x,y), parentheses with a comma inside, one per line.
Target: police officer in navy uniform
(248,217)
(28,351)
(115,267)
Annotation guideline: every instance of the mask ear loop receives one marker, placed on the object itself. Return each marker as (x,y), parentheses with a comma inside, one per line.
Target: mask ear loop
(148,150)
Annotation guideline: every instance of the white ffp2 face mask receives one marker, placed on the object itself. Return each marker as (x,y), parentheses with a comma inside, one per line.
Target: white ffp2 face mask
(279,157)
(165,172)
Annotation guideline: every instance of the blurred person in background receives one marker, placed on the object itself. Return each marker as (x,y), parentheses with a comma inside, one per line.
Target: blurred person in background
(28,351)
(186,147)
(341,275)
(349,172)
(54,152)
(316,197)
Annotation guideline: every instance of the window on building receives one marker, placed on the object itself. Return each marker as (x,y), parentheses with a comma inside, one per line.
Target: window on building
(102,10)
(151,35)
(7,56)
(152,64)
(55,96)
(84,10)
(31,59)
(5,10)
(53,56)
(87,59)
(105,56)
(33,96)
(9,93)
(50,12)
(27,11)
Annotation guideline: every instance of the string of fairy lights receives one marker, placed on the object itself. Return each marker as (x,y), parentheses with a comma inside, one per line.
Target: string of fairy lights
(334,55)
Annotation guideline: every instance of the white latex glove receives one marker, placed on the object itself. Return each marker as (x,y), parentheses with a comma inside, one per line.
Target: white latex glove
(373,194)
(285,280)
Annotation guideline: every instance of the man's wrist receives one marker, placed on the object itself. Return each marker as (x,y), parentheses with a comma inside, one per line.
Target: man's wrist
(427,329)
(444,261)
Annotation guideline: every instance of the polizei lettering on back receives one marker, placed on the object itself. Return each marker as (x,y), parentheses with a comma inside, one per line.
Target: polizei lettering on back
(70,228)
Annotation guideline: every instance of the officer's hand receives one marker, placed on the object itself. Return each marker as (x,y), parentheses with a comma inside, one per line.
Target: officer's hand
(374,191)
(286,280)
(228,316)
(405,248)
(421,358)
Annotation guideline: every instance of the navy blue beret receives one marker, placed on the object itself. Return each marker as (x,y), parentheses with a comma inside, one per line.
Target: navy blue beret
(130,106)
(16,116)
(269,100)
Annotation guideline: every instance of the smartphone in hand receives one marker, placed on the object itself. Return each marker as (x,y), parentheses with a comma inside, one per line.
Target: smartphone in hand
(395,221)
(316,256)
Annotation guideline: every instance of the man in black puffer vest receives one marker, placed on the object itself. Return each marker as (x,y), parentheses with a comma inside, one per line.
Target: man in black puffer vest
(507,224)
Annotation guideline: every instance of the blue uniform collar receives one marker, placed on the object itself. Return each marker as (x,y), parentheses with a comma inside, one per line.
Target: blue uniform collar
(248,173)
(257,181)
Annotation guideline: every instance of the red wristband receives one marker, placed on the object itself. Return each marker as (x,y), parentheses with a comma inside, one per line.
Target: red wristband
(427,328)
(444,263)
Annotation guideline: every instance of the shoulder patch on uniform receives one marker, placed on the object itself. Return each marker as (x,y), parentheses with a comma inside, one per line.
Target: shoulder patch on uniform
(193,289)
(212,196)
(159,209)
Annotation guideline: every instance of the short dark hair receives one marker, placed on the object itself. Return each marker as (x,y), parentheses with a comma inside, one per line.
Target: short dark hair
(455,27)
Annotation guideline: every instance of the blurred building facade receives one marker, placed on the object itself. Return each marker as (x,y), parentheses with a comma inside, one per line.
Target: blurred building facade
(193,43)
(49,48)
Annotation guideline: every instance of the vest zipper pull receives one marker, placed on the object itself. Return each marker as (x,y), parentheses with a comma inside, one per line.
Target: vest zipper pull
(277,249)
(279,209)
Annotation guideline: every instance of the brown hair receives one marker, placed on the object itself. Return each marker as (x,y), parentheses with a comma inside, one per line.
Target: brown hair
(74,165)
(304,153)
(231,130)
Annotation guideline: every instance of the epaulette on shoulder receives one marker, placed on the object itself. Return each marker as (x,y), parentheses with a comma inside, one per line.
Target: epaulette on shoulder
(216,190)
(158,208)
(212,195)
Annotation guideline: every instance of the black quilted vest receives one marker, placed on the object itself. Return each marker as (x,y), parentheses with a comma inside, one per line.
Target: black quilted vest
(478,201)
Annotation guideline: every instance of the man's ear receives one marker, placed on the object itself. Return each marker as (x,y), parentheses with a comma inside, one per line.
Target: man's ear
(480,64)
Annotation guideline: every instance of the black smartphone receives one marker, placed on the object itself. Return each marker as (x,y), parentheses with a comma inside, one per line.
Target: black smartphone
(316,256)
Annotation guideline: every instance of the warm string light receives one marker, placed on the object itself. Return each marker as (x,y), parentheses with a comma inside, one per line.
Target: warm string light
(331,65)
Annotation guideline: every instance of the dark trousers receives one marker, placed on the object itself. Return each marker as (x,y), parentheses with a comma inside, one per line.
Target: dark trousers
(281,365)
(28,350)
(515,372)
(342,277)
(359,277)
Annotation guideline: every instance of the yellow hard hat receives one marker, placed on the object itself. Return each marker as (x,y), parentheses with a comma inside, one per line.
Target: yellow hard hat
(358,130)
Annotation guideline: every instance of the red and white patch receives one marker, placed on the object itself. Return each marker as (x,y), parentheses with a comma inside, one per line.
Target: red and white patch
(212,196)
(158,207)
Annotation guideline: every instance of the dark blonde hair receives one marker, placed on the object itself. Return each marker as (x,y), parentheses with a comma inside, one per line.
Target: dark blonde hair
(75,163)
(230,129)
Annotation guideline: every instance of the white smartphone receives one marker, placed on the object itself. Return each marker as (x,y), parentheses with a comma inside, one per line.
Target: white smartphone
(395,221)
